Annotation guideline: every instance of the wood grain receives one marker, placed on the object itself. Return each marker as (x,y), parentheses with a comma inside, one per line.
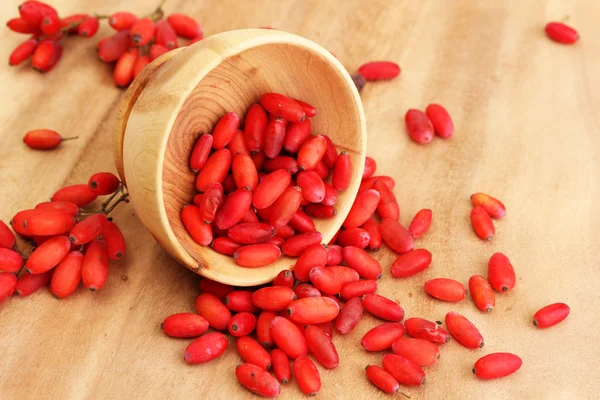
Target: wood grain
(526,113)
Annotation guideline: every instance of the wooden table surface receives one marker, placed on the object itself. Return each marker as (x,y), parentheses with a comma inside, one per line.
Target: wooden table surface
(527,131)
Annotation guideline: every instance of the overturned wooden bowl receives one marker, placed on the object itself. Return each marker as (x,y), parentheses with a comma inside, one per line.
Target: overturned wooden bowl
(183,94)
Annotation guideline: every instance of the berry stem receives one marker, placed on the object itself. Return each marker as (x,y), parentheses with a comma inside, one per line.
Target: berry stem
(70,138)
(123,197)
(101,16)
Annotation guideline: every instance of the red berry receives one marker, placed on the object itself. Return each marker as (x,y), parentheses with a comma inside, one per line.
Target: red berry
(257,380)
(497,365)
(379,70)
(551,315)
(205,348)
(142,31)
(185,26)
(561,33)
(184,325)
(67,275)
(420,128)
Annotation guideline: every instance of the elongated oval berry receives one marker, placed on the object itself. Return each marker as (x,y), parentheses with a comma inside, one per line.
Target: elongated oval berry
(482,293)
(561,33)
(252,352)
(10,260)
(445,289)
(494,207)
(497,365)
(283,210)
(422,329)
(463,330)
(201,151)
(115,241)
(441,121)
(165,35)
(19,25)
(49,223)
(285,278)
(184,325)
(382,379)
(142,31)
(313,187)
(331,155)
(273,298)
(250,233)
(307,376)
(123,71)
(30,283)
(288,337)
(80,195)
(46,55)
(234,208)
(274,137)
(325,280)
(405,371)
(360,261)
(240,301)
(330,195)
(382,336)
(224,245)
(263,328)
(311,152)
(368,183)
(44,139)
(48,255)
(22,52)
(281,365)
(113,47)
(88,27)
(420,351)
(411,263)
(256,255)
(255,126)
(375,239)
(358,289)
(313,310)
(244,171)
(349,316)
(103,183)
(8,283)
(242,324)
(215,169)
(388,205)
(382,307)
(17,222)
(301,222)
(356,237)
(379,70)
(122,21)
(281,162)
(501,273)
(296,134)
(225,130)
(320,211)
(64,206)
(370,167)
(342,172)
(88,228)
(306,290)
(185,26)
(396,236)
(205,348)
(7,238)
(283,107)
(321,346)
(363,208)
(296,245)
(482,223)
(94,269)
(314,256)
(34,11)
(420,223)
(67,275)
(213,310)
(257,380)
(551,315)
(198,229)
(270,188)
(419,126)
(237,145)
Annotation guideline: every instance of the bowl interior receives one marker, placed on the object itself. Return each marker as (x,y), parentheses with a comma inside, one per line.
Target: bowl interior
(234,85)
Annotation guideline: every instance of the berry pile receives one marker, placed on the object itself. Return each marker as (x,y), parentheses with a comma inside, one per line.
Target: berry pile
(72,244)
(273,174)
(138,41)
(47,30)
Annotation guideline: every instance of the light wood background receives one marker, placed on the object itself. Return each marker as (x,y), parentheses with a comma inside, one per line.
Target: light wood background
(527,130)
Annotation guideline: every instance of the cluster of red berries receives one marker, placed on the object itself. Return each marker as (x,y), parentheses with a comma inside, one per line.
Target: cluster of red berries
(138,41)
(72,244)
(47,31)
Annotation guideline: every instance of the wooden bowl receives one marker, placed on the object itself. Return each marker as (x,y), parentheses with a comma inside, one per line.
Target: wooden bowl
(184,93)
